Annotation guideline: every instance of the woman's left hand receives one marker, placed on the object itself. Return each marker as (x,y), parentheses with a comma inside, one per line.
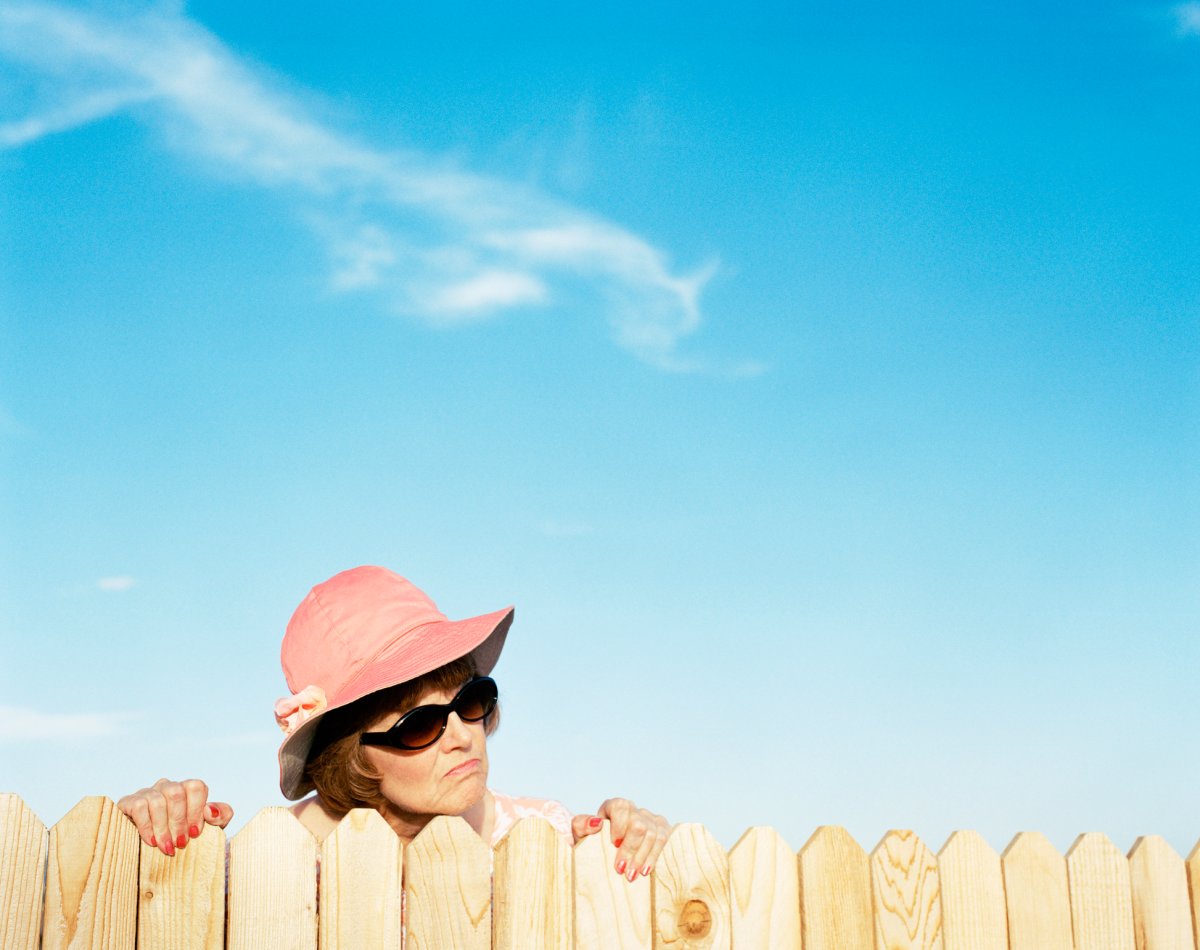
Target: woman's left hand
(639,835)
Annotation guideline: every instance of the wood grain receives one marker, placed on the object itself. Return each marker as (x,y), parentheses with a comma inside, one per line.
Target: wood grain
(1193,878)
(1035,894)
(972,887)
(532,889)
(1162,914)
(691,892)
(448,888)
(360,887)
(835,892)
(181,900)
(92,879)
(1101,905)
(905,894)
(764,891)
(24,843)
(273,884)
(610,912)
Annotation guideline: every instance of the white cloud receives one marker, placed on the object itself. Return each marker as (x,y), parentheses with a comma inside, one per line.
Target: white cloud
(1187,19)
(21,724)
(117,584)
(432,240)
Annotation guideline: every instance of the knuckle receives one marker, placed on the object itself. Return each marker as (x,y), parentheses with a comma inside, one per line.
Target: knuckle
(196,787)
(174,794)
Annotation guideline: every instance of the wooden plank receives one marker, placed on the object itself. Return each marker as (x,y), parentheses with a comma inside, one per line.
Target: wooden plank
(1035,894)
(448,888)
(972,888)
(273,884)
(905,894)
(611,913)
(1162,917)
(1101,905)
(764,890)
(532,889)
(360,892)
(181,900)
(1193,878)
(835,892)
(691,892)
(92,879)
(24,843)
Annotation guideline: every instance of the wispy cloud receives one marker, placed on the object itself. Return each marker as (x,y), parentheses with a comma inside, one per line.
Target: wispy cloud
(432,240)
(1187,18)
(117,584)
(21,724)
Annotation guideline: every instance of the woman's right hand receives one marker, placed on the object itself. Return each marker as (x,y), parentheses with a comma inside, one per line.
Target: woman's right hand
(169,814)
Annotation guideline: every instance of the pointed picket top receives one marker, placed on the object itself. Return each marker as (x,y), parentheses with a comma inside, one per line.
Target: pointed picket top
(835,892)
(361,884)
(532,893)
(92,879)
(24,843)
(691,892)
(764,890)
(448,887)
(1162,914)
(1101,904)
(273,883)
(181,900)
(1036,896)
(609,910)
(905,894)
(972,888)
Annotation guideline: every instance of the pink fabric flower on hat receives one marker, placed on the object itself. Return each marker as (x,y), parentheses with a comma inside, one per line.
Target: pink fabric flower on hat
(295,709)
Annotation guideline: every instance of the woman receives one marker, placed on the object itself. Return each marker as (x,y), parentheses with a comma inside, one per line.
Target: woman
(390,709)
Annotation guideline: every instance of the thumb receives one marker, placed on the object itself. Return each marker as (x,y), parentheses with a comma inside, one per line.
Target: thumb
(584,825)
(218,813)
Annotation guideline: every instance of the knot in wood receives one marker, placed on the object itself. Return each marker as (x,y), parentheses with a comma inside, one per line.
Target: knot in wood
(695,920)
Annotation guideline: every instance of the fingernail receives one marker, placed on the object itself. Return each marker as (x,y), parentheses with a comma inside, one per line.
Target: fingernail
(618,842)
(214,811)
(181,842)
(646,871)
(633,873)
(594,822)
(153,842)
(168,848)
(620,867)
(193,831)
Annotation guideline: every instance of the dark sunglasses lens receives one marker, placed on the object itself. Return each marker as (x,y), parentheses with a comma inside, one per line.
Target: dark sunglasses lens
(476,700)
(421,727)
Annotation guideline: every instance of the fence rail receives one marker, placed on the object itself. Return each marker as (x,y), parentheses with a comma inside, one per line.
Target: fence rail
(88,882)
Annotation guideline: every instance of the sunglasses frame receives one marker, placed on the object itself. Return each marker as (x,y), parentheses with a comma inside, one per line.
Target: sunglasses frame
(391,740)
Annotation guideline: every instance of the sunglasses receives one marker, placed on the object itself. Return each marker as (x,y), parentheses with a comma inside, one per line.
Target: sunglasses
(422,726)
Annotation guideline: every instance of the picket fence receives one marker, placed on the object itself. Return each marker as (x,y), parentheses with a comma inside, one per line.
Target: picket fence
(88,882)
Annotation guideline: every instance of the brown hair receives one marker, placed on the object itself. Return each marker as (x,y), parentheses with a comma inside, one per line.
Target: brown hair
(337,765)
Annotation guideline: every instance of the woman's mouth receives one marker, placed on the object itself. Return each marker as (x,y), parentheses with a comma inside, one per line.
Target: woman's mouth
(466,768)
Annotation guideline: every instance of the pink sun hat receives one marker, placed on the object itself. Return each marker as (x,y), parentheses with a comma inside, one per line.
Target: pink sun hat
(359,632)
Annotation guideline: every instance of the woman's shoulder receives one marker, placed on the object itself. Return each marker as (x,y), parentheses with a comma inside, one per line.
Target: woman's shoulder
(509,809)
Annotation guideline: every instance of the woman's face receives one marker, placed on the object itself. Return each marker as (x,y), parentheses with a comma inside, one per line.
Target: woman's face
(446,778)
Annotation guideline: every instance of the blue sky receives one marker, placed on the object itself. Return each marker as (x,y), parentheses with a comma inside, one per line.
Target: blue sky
(821,384)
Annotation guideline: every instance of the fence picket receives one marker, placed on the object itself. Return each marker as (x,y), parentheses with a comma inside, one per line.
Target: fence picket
(1035,894)
(1161,910)
(273,884)
(24,842)
(691,892)
(972,888)
(835,892)
(92,879)
(1101,905)
(448,888)
(905,894)
(764,891)
(1193,879)
(361,884)
(181,900)
(532,889)
(610,912)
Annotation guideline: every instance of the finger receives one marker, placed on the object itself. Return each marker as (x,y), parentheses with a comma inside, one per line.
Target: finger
(159,821)
(652,844)
(176,798)
(196,795)
(135,807)
(218,813)
(584,825)
(636,829)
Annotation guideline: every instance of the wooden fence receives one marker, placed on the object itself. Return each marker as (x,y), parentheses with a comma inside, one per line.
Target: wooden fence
(88,882)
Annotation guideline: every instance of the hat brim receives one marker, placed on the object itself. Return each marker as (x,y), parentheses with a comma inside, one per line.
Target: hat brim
(433,645)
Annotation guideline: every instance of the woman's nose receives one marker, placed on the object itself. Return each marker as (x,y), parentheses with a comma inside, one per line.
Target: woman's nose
(457,733)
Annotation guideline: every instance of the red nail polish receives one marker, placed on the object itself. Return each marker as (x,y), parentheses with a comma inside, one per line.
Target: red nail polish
(193,831)
(620,867)
(153,842)
(180,841)
(168,848)
(214,811)
(594,822)
(618,842)
(633,873)
(646,871)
